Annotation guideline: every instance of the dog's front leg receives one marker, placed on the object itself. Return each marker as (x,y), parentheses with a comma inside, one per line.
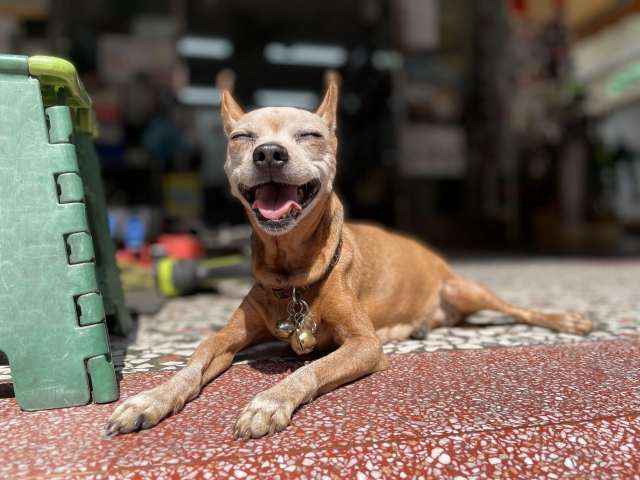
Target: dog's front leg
(360,353)
(212,357)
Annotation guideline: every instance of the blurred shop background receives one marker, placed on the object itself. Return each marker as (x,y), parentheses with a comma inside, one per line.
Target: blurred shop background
(481,126)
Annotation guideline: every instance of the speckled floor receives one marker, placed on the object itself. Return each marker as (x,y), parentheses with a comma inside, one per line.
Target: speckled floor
(460,404)
(608,292)
(566,410)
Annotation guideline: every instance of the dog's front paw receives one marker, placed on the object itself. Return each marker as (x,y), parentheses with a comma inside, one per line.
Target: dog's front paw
(574,323)
(141,412)
(266,413)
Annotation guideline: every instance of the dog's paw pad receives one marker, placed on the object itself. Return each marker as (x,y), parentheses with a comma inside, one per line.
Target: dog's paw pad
(574,323)
(264,415)
(421,332)
(141,412)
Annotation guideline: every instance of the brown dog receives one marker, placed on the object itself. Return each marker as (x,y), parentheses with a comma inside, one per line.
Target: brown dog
(363,285)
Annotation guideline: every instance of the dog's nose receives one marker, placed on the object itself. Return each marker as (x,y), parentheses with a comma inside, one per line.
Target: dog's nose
(270,154)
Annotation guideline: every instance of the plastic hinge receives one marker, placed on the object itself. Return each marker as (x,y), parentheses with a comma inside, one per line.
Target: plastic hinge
(91,309)
(71,189)
(61,127)
(81,246)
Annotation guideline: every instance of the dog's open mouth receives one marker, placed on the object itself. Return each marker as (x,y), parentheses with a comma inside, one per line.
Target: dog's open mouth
(277,202)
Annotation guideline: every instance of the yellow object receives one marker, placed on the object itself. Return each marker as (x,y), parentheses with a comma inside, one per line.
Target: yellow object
(55,73)
(223,261)
(135,277)
(164,275)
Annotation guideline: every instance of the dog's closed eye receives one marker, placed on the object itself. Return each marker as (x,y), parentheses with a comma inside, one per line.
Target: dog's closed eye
(242,136)
(308,135)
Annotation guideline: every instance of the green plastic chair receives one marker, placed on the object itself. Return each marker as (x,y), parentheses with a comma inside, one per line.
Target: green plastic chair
(58,276)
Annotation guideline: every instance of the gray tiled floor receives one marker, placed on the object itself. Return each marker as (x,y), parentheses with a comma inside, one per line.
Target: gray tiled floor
(608,292)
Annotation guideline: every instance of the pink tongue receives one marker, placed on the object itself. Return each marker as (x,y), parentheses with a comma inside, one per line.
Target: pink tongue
(275,200)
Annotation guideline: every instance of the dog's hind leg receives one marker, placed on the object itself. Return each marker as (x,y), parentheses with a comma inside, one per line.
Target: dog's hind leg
(445,315)
(470,297)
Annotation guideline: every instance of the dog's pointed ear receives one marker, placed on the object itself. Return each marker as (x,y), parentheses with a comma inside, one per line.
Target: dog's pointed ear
(328,108)
(231,112)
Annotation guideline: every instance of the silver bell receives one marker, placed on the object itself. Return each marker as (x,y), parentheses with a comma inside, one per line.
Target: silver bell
(284,328)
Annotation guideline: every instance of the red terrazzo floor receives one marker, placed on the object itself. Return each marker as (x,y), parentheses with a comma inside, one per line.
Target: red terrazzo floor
(569,411)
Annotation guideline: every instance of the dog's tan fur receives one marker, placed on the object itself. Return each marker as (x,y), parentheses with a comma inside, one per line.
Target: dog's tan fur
(384,286)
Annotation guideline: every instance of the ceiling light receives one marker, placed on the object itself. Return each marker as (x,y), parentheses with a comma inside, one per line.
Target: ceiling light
(386,60)
(306,55)
(199,47)
(286,98)
(202,96)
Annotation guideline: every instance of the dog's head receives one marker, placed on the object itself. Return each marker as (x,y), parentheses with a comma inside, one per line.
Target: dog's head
(281,161)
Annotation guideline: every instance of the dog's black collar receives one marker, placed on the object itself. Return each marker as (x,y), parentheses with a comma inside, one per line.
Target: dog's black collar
(283,293)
